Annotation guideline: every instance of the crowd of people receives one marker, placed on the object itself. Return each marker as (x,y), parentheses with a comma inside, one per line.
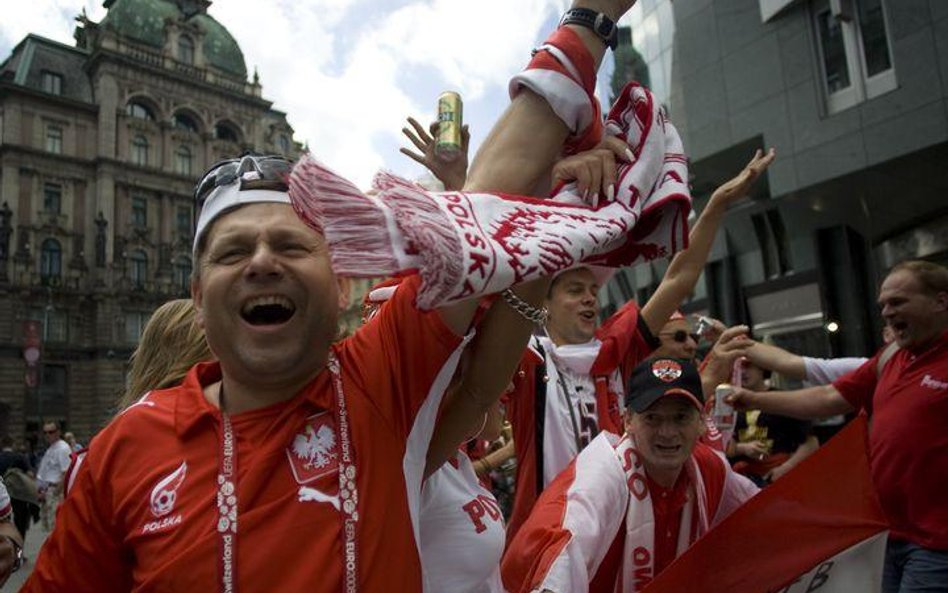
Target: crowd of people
(255,450)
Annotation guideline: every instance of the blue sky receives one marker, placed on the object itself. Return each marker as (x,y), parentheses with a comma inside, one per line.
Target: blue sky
(347,72)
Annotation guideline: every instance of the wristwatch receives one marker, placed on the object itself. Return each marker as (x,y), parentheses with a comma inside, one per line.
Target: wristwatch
(599,23)
(17,553)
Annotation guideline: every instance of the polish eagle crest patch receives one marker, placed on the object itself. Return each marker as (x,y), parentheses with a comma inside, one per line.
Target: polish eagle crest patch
(313,452)
(666,370)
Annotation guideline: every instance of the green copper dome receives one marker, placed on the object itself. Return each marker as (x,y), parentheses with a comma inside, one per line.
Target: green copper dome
(220,48)
(144,21)
(141,20)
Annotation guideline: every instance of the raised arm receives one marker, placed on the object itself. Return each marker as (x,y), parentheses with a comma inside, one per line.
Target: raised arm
(518,153)
(686,266)
(778,360)
(807,404)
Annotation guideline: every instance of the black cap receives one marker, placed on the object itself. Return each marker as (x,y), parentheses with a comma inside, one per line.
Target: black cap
(657,377)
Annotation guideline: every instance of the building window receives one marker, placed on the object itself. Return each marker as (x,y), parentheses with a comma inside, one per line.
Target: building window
(134,326)
(54,139)
(52,82)
(855,60)
(183,121)
(182,161)
(186,50)
(54,323)
(52,198)
(284,144)
(225,132)
(184,222)
(139,111)
(139,211)
(51,258)
(182,274)
(53,391)
(139,268)
(140,150)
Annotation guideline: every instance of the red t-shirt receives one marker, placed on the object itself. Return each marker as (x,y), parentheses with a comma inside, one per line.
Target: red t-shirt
(115,531)
(908,442)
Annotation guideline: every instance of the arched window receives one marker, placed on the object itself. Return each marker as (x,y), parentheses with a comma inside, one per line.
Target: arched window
(182,274)
(226,132)
(182,161)
(139,152)
(138,271)
(183,121)
(51,258)
(185,50)
(284,144)
(139,110)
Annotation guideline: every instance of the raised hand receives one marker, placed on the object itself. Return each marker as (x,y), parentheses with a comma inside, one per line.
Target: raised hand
(738,187)
(594,171)
(451,171)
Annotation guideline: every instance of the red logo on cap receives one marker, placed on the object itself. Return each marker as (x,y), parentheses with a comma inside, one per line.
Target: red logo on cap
(666,370)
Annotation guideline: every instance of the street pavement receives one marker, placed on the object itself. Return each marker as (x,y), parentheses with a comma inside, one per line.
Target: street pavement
(34,541)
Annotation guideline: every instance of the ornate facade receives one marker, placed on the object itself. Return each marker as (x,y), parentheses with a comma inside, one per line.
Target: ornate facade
(100,147)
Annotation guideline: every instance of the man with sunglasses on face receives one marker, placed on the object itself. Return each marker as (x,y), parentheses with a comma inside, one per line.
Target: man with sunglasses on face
(52,468)
(676,339)
(314,450)
(571,380)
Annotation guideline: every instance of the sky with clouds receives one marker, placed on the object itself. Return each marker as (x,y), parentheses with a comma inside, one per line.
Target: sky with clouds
(347,72)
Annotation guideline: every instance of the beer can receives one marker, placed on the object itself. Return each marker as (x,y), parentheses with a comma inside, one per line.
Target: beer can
(702,326)
(723,413)
(450,119)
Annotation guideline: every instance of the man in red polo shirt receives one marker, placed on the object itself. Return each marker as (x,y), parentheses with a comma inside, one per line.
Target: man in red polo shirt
(626,507)
(905,390)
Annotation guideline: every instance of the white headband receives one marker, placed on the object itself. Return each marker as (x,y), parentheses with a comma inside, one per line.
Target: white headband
(225,198)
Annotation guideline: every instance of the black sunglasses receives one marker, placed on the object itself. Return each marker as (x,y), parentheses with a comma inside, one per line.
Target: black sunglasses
(682,336)
(253,172)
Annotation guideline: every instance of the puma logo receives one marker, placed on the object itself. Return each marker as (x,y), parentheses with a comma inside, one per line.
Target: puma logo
(306,494)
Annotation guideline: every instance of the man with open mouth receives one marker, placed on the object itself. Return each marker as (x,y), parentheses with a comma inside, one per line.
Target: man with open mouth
(904,388)
(294,463)
(571,381)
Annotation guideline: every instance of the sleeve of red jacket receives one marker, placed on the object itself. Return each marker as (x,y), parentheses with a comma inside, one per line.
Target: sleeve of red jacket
(626,341)
(572,526)
(83,554)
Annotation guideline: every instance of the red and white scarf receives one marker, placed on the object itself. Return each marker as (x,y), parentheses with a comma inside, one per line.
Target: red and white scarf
(468,244)
(638,559)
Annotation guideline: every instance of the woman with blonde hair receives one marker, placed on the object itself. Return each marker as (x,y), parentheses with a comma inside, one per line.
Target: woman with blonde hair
(171,344)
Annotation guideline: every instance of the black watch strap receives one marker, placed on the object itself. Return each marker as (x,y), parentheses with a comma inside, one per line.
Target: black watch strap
(599,23)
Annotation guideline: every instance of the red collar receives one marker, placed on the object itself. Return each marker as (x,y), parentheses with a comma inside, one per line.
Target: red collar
(191,408)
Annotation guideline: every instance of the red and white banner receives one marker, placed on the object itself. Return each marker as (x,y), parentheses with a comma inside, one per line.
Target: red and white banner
(819,528)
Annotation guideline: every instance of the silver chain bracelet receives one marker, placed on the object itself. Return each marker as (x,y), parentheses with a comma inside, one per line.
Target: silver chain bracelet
(537,315)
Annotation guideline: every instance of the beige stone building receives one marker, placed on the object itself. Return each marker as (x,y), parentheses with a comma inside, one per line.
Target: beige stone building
(100,147)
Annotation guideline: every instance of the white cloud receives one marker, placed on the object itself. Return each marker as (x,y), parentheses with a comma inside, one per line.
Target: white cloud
(340,71)
(49,18)
(347,72)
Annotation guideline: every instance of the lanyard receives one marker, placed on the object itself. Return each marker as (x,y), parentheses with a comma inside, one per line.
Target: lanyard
(348,493)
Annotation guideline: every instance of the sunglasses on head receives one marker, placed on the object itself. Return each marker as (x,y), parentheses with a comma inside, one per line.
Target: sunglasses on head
(682,336)
(253,172)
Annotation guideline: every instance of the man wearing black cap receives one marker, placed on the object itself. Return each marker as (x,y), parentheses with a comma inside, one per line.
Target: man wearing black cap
(626,507)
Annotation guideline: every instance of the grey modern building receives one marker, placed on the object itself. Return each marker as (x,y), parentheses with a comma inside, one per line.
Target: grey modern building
(853,94)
